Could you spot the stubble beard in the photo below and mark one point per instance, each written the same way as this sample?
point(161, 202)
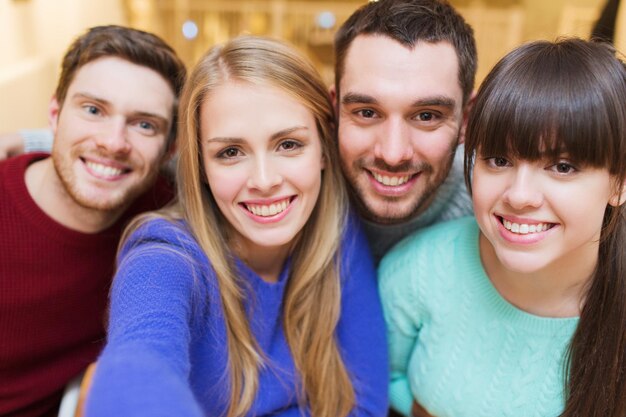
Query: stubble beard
point(385, 210)
point(118, 201)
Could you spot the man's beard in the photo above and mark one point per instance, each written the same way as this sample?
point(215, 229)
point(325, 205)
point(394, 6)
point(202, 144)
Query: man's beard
point(116, 200)
point(390, 213)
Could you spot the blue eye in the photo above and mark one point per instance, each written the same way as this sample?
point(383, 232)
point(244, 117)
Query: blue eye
point(146, 125)
point(92, 110)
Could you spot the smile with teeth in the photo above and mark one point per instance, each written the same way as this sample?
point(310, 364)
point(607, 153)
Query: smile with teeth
point(267, 210)
point(104, 170)
point(523, 228)
point(391, 180)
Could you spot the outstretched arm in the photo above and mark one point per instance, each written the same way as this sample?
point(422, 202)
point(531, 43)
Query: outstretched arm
point(144, 368)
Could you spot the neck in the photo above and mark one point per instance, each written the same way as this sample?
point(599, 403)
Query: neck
point(558, 290)
point(266, 262)
point(49, 193)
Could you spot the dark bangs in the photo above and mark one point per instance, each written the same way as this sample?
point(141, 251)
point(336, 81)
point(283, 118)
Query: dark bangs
point(547, 99)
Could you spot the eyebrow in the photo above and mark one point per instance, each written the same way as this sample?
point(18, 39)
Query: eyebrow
point(355, 98)
point(277, 135)
point(161, 118)
point(439, 101)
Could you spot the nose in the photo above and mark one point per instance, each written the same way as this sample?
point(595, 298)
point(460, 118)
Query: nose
point(113, 137)
point(264, 175)
point(524, 189)
point(394, 145)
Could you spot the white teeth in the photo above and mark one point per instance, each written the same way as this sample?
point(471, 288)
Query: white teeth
point(268, 210)
point(523, 228)
point(393, 181)
point(104, 170)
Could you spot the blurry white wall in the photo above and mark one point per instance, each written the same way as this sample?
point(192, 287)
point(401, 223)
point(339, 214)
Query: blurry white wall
point(34, 35)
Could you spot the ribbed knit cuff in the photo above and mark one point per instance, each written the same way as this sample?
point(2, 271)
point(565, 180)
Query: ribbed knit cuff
point(400, 396)
point(37, 140)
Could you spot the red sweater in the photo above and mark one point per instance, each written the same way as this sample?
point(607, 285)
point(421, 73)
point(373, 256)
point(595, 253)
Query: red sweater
point(54, 285)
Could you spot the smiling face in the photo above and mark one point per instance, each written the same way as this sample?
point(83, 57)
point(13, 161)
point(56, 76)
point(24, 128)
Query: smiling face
point(110, 133)
point(263, 162)
point(540, 215)
point(400, 115)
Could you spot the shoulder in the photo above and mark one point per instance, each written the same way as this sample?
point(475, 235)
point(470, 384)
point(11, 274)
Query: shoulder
point(354, 242)
point(355, 259)
point(429, 249)
point(420, 271)
point(435, 240)
point(13, 172)
point(162, 256)
point(17, 165)
point(160, 193)
point(160, 235)
point(353, 234)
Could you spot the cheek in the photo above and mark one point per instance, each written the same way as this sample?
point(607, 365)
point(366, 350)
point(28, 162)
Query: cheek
point(437, 148)
point(354, 141)
point(484, 194)
point(224, 184)
point(152, 151)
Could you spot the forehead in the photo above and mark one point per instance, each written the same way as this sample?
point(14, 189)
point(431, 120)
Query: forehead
point(382, 67)
point(126, 86)
point(244, 109)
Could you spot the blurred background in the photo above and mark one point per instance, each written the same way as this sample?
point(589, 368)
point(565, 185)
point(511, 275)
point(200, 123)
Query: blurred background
point(35, 33)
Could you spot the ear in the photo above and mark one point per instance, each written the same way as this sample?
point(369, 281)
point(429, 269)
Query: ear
point(619, 197)
point(170, 152)
point(54, 108)
point(333, 95)
point(466, 112)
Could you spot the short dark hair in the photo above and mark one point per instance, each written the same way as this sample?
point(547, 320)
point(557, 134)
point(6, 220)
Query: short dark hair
point(136, 46)
point(409, 22)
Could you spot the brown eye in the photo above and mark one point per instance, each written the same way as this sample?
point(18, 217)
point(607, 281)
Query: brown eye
point(500, 162)
point(425, 116)
point(564, 168)
point(367, 113)
point(289, 145)
point(229, 153)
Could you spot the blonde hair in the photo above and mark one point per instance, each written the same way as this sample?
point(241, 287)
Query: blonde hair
point(309, 324)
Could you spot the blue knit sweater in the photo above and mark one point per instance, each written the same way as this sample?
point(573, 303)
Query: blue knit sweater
point(456, 345)
point(166, 352)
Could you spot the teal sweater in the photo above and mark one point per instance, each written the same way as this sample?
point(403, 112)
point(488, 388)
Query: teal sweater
point(456, 345)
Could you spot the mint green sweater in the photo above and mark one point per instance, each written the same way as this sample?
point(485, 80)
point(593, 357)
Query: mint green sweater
point(456, 345)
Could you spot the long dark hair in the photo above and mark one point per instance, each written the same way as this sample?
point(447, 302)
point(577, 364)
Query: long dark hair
point(541, 100)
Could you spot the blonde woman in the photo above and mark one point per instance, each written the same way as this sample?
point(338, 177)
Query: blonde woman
point(254, 295)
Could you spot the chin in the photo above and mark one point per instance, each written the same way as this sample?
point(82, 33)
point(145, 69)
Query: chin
point(520, 264)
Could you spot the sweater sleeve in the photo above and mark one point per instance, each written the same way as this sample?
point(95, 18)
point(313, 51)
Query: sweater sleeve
point(144, 368)
point(403, 315)
point(361, 328)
